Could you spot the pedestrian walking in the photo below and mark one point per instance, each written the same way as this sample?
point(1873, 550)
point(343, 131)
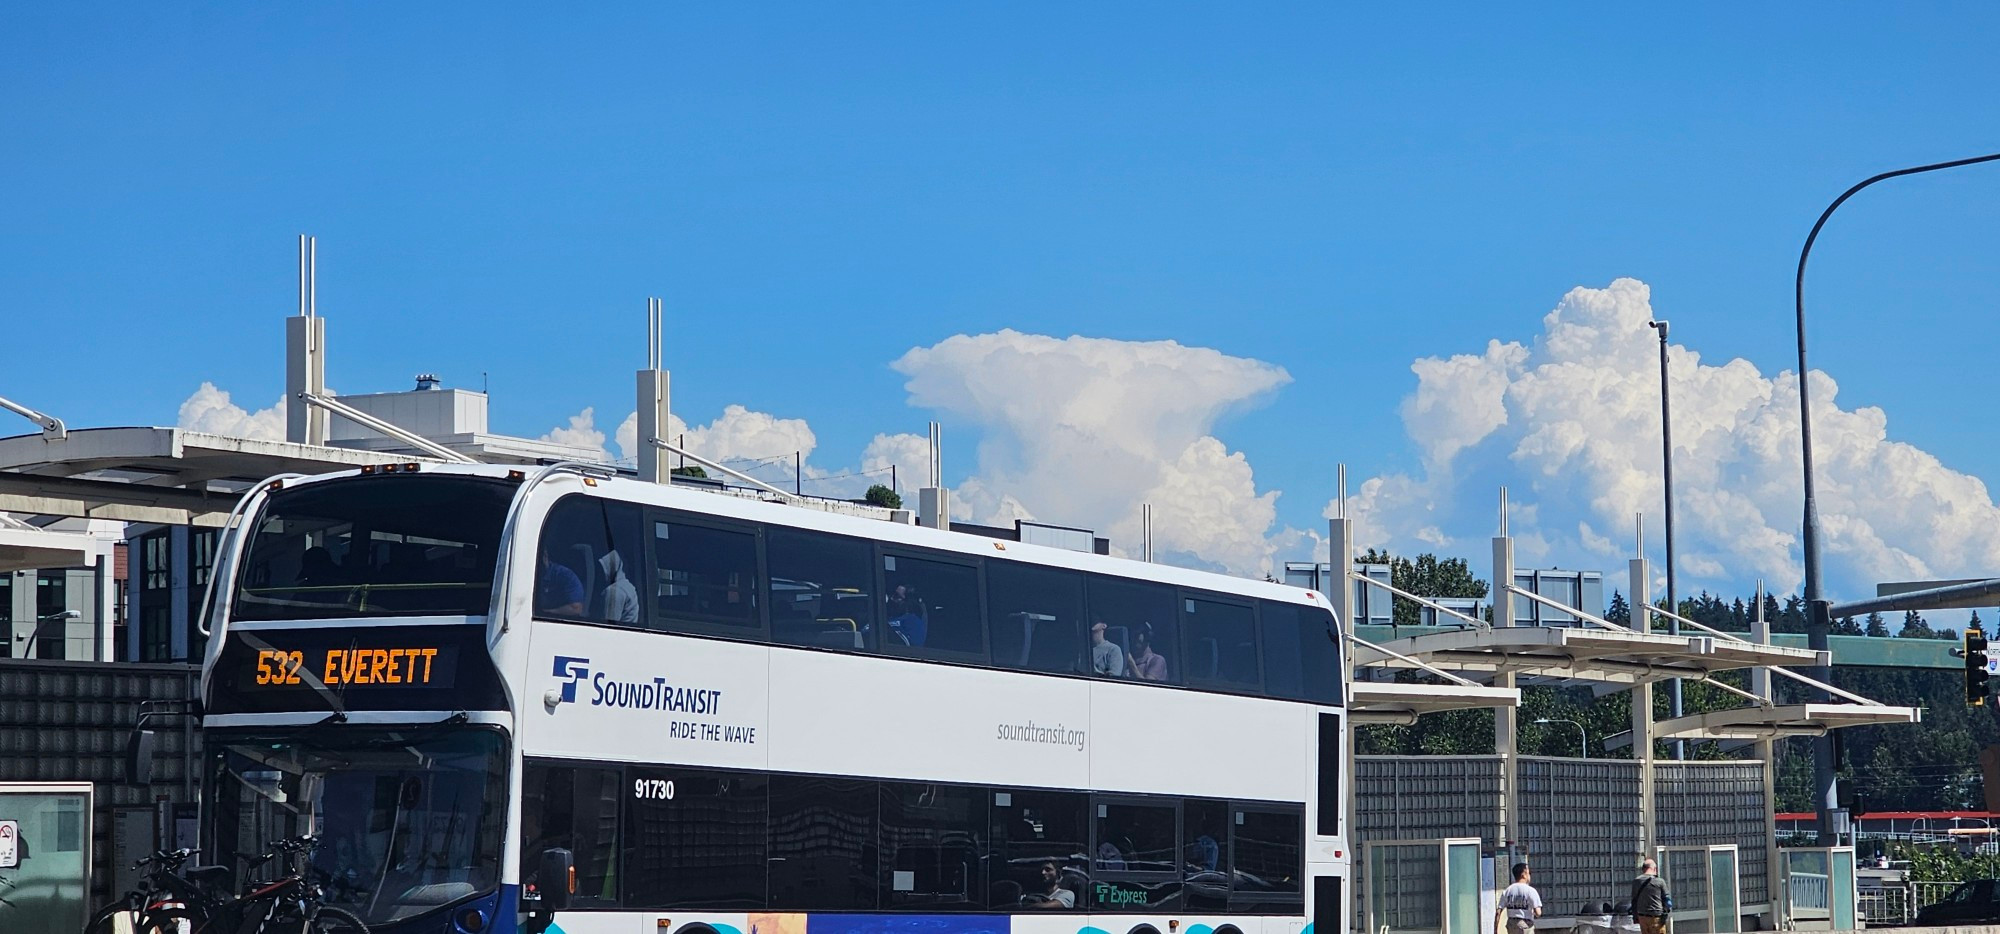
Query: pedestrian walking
point(1520, 905)
point(1650, 900)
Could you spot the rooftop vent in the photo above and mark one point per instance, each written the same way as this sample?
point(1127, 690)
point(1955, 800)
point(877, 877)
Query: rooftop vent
point(428, 381)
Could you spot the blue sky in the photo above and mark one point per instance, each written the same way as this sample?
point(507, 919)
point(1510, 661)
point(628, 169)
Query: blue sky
point(816, 191)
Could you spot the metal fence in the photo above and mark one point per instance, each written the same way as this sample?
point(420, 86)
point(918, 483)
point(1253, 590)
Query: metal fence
point(68, 721)
point(1579, 824)
point(1702, 803)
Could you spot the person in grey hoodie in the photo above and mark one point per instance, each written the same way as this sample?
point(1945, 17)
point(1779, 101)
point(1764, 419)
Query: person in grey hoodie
point(1649, 899)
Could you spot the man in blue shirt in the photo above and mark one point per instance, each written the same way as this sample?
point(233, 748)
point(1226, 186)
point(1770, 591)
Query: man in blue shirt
point(558, 591)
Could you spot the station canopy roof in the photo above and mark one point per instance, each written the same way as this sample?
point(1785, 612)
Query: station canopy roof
point(1611, 656)
point(169, 476)
point(1403, 702)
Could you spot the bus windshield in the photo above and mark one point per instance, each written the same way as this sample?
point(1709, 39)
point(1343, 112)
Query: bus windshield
point(374, 546)
point(410, 819)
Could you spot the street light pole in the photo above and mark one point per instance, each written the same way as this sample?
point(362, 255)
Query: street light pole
point(1582, 735)
point(1824, 787)
point(1667, 463)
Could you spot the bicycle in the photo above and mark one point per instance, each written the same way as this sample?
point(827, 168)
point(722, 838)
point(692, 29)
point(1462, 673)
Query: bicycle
point(170, 902)
point(165, 902)
point(293, 902)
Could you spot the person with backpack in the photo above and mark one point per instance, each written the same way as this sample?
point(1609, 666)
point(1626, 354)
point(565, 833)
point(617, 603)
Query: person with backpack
point(1650, 901)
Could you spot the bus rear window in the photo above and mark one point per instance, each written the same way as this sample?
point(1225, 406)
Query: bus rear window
point(375, 546)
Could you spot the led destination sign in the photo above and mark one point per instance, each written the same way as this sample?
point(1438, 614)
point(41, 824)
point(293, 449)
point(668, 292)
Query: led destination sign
point(408, 666)
point(328, 668)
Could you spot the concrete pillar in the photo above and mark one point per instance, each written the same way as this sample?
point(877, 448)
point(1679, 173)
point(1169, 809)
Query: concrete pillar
point(1506, 720)
point(104, 577)
point(1641, 588)
point(1339, 589)
point(1760, 685)
point(654, 397)
point(305, 371)
point(933, 500)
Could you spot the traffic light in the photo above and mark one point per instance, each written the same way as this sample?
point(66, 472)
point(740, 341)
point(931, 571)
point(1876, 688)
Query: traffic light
point(1975, 666)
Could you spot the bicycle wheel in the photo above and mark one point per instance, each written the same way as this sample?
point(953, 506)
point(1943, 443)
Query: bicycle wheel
point(124, 920)
point(335, 921)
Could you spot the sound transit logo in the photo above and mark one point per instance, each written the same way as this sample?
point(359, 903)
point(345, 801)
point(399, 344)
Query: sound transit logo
point(572, 670)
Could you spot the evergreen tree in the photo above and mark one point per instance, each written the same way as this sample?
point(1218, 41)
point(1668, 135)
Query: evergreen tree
point(1876, 627)
point(1845, 626)
point(1914, 627)
point(1619, 612)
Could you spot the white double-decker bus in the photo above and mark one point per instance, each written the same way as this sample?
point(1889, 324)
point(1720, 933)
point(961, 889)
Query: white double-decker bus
point(557, 699)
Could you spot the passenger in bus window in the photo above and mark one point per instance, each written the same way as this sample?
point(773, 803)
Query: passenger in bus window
point(558, 591)
point(1106, 658)
point(907, 615)
point(621, 599)
point(1053, 895)
point(1146, 664)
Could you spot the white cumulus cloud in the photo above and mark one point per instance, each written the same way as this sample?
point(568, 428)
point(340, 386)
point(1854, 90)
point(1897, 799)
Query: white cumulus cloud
point(1571, 421)
point(209, 410)
point(1080, 431)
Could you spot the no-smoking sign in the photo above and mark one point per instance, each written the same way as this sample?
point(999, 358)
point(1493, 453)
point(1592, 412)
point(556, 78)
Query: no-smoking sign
point(10, 844)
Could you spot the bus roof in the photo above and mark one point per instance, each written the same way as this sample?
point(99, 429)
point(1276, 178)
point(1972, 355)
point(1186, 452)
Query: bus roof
point(700, 500)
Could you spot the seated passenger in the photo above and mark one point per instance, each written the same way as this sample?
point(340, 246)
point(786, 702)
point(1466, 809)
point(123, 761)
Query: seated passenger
point(907, 615)
point(558, 591)
point(317, 568)
point(1052, 894)
point(1106, 658)
point(1144, 663)
point(621, 599)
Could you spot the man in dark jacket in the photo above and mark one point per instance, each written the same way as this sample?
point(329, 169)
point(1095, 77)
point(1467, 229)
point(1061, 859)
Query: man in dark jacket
point(1649, 899)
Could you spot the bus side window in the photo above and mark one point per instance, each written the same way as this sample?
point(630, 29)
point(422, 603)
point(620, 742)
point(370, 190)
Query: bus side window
point(1037, 619)
point(1301, 658)
point(589, 554)
point(1205, 854)
point(1269, 847)
point(931, 607)
point(577, 809)
point(822, 589)
point(1221, 644)
point(704, 576)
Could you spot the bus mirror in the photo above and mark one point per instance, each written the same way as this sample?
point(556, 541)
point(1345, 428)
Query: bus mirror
point(555, 879)
point(139, 757)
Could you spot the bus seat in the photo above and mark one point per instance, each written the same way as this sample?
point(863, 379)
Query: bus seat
point(584, 565)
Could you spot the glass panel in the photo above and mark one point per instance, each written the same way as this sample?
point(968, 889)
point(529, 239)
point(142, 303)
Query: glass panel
point(823, 846)
point(1205, 854)
point(1405, 889)
point(1137, 860)
point(1221, 644)
point(1270, 859)
point(1140, 619)
point(1462, 887)
point(822, 589)
point(574, 809)
point(1842, 892)
point(696, 839)
point(703, 575)
point(589, 552)
point(1037, 618)
point(410, 819)
point(1722, 889)
point(1301, 659)
point(375, 546)
point(931, 604)
point(933, 841)
point(1038, 850)
point(49, 890)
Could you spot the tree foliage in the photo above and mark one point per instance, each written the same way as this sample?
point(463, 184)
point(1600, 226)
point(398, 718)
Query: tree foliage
point(880, 495)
